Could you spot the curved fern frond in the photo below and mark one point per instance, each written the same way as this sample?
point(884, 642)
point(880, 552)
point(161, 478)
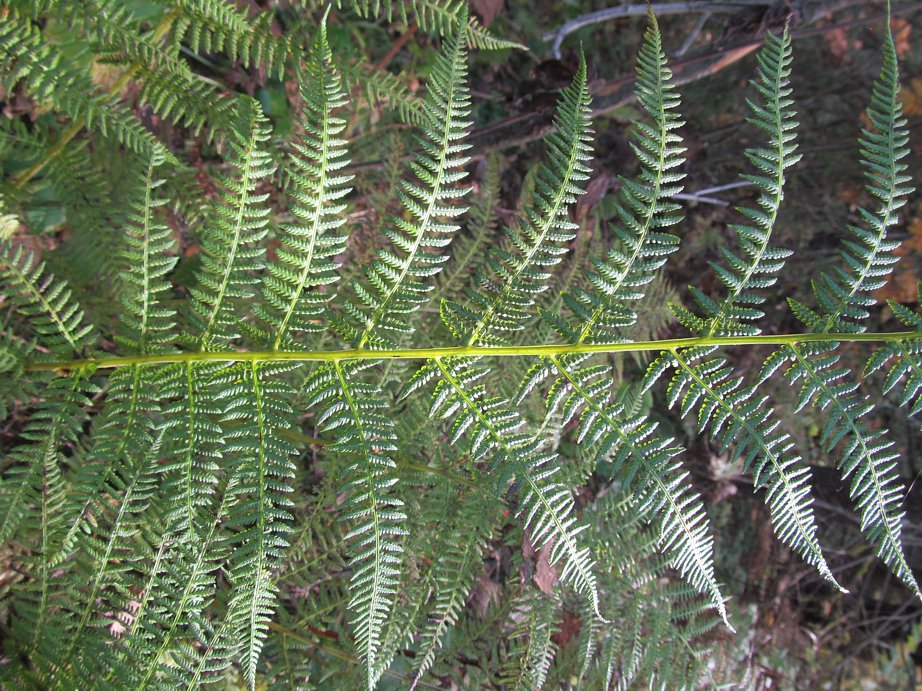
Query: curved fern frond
point(306, 256)
point(51, 76)
point(760, 262)
point(353, 409)
point(732, 410)
point(736, 414)
point(396, 278)
point(54, 316)
point(230, 244)
point(148, 258)
point(518, 271)
point(844, 298)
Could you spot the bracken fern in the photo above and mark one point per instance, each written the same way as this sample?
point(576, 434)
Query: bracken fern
point(174, 514)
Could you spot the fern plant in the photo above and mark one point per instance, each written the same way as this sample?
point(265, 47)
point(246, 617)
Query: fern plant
point(255, 472)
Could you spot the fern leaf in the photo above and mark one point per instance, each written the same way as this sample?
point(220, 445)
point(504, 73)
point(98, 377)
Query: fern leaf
point(582, 391)
point(905, 359)
point(531, 646)
point(519, 271)
point(53, 314)
point(118, 509)
point(222, 27)
point(546, 504)
point(396, 277)
point(647, 208)
point(844, 298)
point(147, 258)
point(48, 74)
point(187, 587)
point(353, 408)
point(193, 435)
point(737, 413)
point(260, 517)
point(236, 225)
point(634, 446)
point(306, 263)
point(56, 421)
point(453, 577)
point(731, 409)
point(756, 269)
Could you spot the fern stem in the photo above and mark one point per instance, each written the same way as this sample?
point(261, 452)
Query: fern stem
point(65, 366)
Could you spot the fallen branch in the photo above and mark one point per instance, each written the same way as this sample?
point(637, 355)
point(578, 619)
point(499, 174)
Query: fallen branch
point(659, 9)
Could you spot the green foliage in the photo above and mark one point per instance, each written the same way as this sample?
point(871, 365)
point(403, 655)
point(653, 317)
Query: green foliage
point(176, 519)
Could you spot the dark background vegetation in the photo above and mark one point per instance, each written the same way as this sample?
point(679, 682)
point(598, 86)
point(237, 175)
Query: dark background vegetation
point(801, 634)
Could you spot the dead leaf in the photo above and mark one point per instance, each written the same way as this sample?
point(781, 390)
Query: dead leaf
point(486, 10)
point(545, 574)
point(837, 44)
point(901, 29)
point(911, 96)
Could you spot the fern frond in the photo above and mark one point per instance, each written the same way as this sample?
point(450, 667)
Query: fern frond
point(379, 87)
point(231, 249)
point(440, 17)
point(396, 278)
point(866, 454)
point(635, 448)
point(147, 258)
point(56, 422)
point(306, 256)
point(470, 247)
point(583, 392)
point(51, 76)
point(756, 269)
point(601, 312)
point(732, 410)
point(452, 576)
point(353, 409)
point(220, 27)
point(164, 641)
point(54, 316)
point(735, 413)
point(844, 297)
point(257, 404)
point(518, 271)
point(121, 435)
point(494, 430)
point(531, 648)
point(105, 556)
point(193, 435)
point(166, 82)
point(905, 360)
